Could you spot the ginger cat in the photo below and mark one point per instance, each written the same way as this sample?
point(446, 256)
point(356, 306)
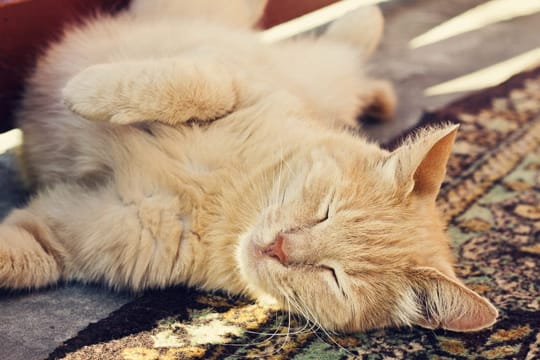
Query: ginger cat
point(169, 145)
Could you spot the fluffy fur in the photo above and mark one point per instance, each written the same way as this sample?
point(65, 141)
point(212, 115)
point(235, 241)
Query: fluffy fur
point(172, 147)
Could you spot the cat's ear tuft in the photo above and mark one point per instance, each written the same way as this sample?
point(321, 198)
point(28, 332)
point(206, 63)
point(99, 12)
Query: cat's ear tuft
point(444, 302)
point(419, 165)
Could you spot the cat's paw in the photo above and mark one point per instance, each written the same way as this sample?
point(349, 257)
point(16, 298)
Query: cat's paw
point(89, 95)
point(172, 91)
point(380, 105)
point(23, 262)
point(361, 28)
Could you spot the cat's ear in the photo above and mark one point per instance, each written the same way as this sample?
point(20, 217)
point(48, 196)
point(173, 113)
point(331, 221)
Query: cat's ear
point(419, 166)
point(440, 301)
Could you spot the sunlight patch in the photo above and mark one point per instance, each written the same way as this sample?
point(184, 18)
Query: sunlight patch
point(489, 76)
point(313, 19)
point(10, 139)
point(208, 329)
point(214, 332)
point(478, 17)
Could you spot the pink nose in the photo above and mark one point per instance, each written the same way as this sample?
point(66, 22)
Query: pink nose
point(275, 249)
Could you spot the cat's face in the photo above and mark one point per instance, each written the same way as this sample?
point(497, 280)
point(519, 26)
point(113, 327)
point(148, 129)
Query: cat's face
point(351, 246)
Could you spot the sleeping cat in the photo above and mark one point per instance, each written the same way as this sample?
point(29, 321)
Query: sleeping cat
point(170, 145)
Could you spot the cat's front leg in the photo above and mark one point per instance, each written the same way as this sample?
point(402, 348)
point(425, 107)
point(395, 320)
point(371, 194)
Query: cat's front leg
point(173, 91)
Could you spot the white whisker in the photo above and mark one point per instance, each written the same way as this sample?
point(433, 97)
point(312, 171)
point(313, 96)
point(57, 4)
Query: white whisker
point(320, 327)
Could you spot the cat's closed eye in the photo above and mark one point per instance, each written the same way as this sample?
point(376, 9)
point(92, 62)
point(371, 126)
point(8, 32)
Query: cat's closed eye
point(316, 220)
point(325, 217)
point(333, 273)
point(326, 214)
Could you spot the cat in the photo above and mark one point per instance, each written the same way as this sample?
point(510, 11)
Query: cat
point(170, 145)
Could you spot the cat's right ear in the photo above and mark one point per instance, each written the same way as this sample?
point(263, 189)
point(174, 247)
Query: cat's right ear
point(419, 166)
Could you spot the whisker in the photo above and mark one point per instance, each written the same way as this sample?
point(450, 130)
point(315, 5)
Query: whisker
point(324, 331)
point(288, 330)
point(271, 335)
point(309, 318)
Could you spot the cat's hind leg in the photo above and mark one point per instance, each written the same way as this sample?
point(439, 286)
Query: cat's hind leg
point(30, 255)
point(73, 232)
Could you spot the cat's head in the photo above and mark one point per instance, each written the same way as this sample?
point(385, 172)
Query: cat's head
point(352, 240)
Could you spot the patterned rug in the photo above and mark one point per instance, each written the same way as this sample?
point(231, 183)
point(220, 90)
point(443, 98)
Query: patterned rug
point(491, 199)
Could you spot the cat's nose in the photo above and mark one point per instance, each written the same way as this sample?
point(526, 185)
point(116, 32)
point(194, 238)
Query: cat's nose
point(275, 249)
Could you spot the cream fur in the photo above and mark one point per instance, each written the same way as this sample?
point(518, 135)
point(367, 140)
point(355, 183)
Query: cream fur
point(200, 156)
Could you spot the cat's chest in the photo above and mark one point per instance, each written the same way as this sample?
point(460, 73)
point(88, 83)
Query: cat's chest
point(207, 166)
point(229, 150)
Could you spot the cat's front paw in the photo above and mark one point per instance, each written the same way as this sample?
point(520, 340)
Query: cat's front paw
point(173, 91)
point(24, 263)
point(88, 95)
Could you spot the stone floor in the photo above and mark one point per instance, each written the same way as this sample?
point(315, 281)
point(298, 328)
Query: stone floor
point(32, 325)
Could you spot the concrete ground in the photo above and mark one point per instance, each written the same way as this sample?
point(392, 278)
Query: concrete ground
point(32, 325)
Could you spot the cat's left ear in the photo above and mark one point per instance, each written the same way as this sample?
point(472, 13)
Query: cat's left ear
point(419, 166)
point(435, 300)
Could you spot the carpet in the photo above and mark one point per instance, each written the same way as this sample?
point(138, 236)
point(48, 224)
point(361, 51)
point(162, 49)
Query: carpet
point(491, 200)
